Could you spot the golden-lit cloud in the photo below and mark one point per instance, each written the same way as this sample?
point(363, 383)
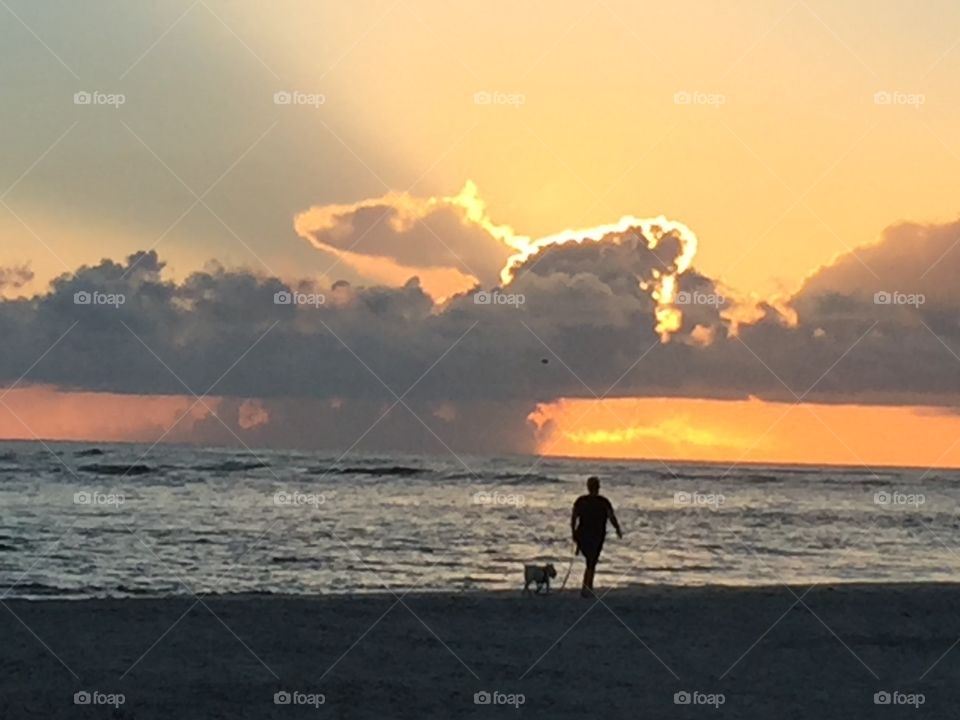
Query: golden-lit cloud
point(448, 243)
point(440, 240)
point(652, 231)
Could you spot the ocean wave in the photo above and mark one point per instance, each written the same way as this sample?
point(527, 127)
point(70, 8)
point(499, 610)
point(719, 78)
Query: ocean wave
point(458, 475)
point(665, 475)
point(378, 470)
point(129, 591)
point(232, 466)
point(726, 477)
point(107, 469)
point(759, 478)
point(523, 478)
point(227, 466)
point(782, 551)
point(679, 568)
point(35, 589)
point(879, 480)
point(774, 475)
point(89, 452)
point(505, 478)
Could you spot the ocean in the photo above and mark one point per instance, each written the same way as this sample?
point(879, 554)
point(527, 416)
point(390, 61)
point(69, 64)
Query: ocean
point(111, 520)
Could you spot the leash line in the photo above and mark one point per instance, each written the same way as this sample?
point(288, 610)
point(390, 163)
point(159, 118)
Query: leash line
point(569, 568)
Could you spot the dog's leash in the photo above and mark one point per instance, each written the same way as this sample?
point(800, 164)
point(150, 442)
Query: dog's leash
point(569, 568)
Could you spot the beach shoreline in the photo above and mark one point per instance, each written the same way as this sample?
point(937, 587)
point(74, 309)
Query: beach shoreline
point(822, 652)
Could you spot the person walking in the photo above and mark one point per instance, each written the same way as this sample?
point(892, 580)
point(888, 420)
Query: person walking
point(588, 523)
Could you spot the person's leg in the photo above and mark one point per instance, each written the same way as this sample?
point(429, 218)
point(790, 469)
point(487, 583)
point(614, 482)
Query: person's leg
point(592, 557)
point(588, 575)
point(591, 560)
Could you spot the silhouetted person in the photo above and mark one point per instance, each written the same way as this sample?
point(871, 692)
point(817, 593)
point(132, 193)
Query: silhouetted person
point(589, 525)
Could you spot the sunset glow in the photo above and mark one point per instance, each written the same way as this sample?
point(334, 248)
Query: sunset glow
point(475, 216)
point(750, 431)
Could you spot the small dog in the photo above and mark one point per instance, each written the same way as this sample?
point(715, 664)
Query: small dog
point(540, 575)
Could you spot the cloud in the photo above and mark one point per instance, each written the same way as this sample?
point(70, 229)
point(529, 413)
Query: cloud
point(372, 425)
point(448, 242)
point(617, 311)
point(14, 278)
point(252, 414)
point(451, 245)
point(898, 296)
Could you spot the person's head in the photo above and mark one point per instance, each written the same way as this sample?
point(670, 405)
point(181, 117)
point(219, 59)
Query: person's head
point(593, 485)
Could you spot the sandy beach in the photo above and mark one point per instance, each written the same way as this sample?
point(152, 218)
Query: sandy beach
point(755, 653)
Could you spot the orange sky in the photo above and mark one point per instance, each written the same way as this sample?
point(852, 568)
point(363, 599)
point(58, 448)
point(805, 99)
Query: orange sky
point(797, 164)
point(752, 431)
point(47, 414)
point(667, 429)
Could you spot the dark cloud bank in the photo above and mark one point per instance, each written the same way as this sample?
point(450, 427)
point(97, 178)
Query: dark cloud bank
point(468, 374)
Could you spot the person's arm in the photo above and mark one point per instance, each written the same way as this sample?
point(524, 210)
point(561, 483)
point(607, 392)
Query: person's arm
point(613, 521)
point(573, 522)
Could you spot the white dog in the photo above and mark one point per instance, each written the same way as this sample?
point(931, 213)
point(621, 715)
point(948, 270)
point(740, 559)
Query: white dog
point(539, 574)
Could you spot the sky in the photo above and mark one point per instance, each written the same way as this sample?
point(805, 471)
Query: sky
point(696, 202)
